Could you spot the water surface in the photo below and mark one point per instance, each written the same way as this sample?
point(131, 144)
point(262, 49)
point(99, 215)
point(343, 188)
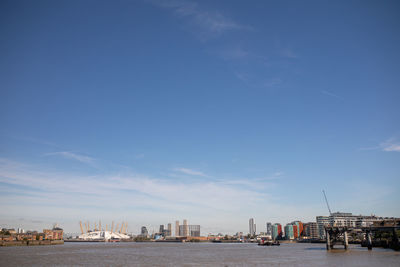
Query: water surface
point(194, 254)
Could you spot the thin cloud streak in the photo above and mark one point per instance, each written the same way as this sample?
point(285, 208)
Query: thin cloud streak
point(391, 145)
point(71, 155)
point(208, 23)
point(190, 172)
point(330, 94)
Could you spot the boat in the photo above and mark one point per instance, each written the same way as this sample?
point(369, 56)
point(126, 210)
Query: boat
point(269, 243)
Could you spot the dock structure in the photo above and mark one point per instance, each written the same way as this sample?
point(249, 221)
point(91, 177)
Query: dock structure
point(338, 235)
point(394, 240)
point(335, 236)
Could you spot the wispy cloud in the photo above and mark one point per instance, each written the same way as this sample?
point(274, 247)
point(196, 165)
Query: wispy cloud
point(74, 156)
point(207, 23)
point(329, 94)
point(288, 53)
point(258, 82)
point(234, 53)
point(190, 172)
point(390, 145)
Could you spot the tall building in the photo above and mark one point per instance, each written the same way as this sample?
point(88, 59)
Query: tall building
point(311, 230)
point(289, 231)
point(176, 228)
point(277, 231)
point(185, 228)
point(252, 227)
point(169, 229)
point(161, 229)
point(269, 229)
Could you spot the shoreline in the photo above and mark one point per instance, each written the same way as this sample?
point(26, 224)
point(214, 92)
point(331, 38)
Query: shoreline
point(30, 243)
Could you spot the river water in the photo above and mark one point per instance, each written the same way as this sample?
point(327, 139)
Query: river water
point(194, 254)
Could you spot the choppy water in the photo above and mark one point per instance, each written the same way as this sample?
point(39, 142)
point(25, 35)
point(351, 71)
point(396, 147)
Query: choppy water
point(193, 254)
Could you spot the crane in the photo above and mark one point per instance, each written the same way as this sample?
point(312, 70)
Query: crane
point(327, 204)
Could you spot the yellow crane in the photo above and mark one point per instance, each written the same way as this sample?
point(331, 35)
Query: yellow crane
point(80, 224)
point(126, 227)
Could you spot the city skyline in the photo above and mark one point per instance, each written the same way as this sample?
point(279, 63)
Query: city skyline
point(150, 111)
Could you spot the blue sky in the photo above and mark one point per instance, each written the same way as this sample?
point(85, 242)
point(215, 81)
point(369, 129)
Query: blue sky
point(155, 111)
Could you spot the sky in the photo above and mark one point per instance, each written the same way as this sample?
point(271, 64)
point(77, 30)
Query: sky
point(153, 111)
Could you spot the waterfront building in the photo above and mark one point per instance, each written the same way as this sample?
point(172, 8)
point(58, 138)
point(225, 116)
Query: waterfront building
point(344, 219)
point(277, 231)
point(353, 221)
point(185, 228)
point(194, 230)
point(289, 233)
point(299, 225)
point(269, 229)
point(295, 231)
point(252, 227)
point(189, 230)
point(161, 229)
point(53, 234)
point(322, 221)
point(144, 232)
point(311, 230)
point(176, 228)
point(169, 229)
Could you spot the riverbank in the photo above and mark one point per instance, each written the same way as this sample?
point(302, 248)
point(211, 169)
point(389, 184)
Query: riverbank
point(30, 243)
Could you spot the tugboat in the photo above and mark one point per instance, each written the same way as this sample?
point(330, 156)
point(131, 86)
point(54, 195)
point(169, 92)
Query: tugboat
point(269, 243)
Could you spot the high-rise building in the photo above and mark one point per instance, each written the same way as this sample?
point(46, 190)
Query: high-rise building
point(161, 229)
point(169, 229)
point(176, 228)
point(277, 231)
point(269, 229)
point(185, 228)
point(252, 227)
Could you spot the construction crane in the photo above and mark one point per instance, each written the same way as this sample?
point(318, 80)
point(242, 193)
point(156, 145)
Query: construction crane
point(327, 204)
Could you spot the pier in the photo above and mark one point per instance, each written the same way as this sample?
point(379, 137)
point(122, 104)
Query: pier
point(336, 235)
point(339, 236)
